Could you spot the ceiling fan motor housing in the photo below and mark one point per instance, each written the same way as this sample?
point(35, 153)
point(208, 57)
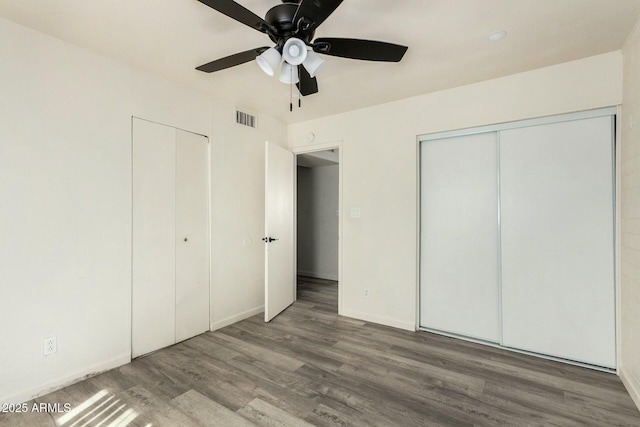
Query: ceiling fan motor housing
point(281, 18)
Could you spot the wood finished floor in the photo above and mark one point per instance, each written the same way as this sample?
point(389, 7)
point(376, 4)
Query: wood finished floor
point(311, 367)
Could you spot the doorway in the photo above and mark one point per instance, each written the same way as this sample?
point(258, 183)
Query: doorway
point(318, 228)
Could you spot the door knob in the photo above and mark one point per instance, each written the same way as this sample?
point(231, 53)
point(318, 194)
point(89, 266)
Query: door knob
point(268, 239)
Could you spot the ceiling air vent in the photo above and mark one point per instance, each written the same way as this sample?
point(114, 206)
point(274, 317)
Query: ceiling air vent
point(246, 119)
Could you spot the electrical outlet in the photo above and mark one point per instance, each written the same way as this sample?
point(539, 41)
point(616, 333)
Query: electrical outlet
point(50, 346)
point(366, 292)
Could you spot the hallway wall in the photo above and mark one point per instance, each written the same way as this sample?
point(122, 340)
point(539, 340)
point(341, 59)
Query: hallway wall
point(318, 222)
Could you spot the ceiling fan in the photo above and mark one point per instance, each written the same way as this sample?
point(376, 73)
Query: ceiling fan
point(291, 26)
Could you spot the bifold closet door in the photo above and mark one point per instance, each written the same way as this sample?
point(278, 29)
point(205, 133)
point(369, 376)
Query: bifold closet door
point(557, 240)
point(170, 260)
point(153, 256)
point(459, 290)
point(192, 245)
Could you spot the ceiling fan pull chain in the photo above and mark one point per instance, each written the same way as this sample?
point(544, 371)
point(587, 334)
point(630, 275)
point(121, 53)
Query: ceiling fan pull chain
point(291, 90)
point(299, 86)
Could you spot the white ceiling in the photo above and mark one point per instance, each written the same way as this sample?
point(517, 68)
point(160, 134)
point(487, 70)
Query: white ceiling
point(447, 42)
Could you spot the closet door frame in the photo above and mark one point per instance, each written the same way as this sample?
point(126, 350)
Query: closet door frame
point(612, 112)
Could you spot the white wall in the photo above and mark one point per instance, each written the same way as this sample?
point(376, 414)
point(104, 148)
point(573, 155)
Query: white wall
point(317, 221)
point(65, 222)
point(629, 363)
point(237, 214)
point(380, 168)
point(159, 100)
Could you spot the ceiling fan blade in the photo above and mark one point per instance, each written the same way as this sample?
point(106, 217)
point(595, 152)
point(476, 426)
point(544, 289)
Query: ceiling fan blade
point(315, 11)
point(307, 85)
point(367, 50)
point(232, 60)
point(235, 11)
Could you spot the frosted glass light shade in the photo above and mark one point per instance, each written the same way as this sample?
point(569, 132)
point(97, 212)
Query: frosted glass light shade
point(289, 74)
point(269, 61)
point(313, 63)
point(294, 51)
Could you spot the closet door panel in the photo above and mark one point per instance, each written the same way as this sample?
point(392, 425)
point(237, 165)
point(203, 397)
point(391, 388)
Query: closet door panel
point(192, 235)
point(459, 236)
point(153, 255)
point(557, 240)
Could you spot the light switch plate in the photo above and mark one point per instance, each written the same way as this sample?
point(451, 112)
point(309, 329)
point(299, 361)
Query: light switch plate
point(355, 212)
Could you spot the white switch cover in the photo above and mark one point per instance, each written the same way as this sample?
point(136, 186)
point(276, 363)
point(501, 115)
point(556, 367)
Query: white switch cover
point(355, 212)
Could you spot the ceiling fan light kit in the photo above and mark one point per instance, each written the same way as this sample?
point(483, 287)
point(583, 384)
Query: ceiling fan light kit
point(289, 74)
point(269, 60)
point(313, 63)
point(295, 51)
point(291, 26)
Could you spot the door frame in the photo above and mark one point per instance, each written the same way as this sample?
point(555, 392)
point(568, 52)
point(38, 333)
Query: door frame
point(334, 145)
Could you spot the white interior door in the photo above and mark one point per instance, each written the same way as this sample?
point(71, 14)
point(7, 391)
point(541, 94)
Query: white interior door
point(279, 287)
point(459, 290)
point(191, 239)
point(557, 240)
point(153, 257)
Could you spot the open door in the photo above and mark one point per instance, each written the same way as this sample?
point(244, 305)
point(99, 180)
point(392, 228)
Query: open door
point(279, 277)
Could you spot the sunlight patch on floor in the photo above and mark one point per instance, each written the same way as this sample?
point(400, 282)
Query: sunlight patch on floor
point(101, 409)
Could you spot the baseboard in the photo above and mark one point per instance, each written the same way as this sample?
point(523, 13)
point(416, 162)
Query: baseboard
point(236, 318)
point(633, 387)
point(316, 275)
point(407, 326)
point(66, 380)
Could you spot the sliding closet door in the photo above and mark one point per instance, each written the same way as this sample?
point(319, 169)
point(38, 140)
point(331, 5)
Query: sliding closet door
point(153, 258)
point(459, 290)
point(557, 240)
point(192, 244)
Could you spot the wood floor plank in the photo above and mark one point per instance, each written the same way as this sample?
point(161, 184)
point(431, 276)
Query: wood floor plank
point(148, 373)
point(373, 399)
point(252, 349)
point(207, 412)
point(235, 382)
point(155, 410)
point(324, 415)
point(288, 348)
point(265, 414)
point(216, 382)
